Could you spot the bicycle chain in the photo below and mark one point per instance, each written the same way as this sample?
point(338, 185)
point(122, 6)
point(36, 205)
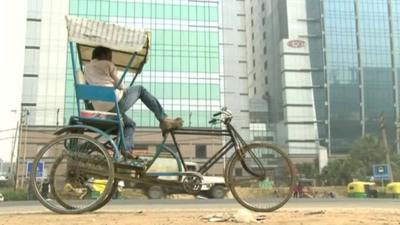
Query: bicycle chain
point(192, 183)
point(79, 163)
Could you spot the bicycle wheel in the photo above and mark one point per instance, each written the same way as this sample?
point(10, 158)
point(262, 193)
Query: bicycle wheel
point(80, 174)
point(66, 204)
point(260, 177)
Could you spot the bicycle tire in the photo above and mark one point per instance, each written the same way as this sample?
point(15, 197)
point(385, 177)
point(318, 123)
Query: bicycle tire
point(68, 206)
point(260, 177)
point(85, 167)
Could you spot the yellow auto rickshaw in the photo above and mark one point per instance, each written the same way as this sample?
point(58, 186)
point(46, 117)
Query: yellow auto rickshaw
point(393, 189)
point(361, 189)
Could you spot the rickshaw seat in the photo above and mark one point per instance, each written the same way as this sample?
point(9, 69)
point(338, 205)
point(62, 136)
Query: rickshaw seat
point(99, 119)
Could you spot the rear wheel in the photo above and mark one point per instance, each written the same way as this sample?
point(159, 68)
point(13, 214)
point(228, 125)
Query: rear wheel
point(155, 192)
point(81, 174)
point(260, 177)
point(217, 191)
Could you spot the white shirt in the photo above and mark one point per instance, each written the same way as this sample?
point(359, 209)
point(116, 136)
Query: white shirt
point(103, 73)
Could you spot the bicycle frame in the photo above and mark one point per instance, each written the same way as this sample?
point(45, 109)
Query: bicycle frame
point(235, 142)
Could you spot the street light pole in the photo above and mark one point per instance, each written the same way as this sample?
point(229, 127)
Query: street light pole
point(385, 144)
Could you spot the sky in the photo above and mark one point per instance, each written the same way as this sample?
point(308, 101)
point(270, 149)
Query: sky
point(12, 41)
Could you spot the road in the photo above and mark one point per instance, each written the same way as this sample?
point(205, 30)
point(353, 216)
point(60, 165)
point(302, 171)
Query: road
point(209, 205)
point(340, 211)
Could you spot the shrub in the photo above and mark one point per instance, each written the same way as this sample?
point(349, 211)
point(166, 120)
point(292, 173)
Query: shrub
point(12, 195)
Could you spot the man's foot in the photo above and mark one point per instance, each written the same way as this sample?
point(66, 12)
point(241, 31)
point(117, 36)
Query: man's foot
point(129, 155)
point(170, 124)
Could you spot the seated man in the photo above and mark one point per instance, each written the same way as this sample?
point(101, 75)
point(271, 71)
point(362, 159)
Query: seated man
point(101, 71)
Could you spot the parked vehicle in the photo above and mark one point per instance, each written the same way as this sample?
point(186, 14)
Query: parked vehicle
point(361, 189)
point(211, 186)
point(393, 189)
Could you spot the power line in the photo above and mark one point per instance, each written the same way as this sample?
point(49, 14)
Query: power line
point(6, 138)
point(5, 130)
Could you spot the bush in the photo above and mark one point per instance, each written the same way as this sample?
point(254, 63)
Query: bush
point(11, 195)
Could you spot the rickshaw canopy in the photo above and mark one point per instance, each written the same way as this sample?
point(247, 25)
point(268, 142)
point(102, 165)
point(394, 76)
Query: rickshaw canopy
point(123, 41)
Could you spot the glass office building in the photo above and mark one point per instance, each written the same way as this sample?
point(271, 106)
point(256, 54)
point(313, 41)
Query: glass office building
point(361, 45)
point(196, 64)
point(183, 69)
point(333, 74)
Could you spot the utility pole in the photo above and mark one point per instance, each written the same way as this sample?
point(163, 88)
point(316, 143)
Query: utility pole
point(58, 112)
point(385, 144)
point(18, 150)
point(22, 120)
point(25, 168)
point(11, 170)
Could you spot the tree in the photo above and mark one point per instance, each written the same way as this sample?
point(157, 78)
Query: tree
point(365, 152)
point(338, 172)
point(307, 170)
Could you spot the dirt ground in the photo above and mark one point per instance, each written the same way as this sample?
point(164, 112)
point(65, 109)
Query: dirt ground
point(191, 217)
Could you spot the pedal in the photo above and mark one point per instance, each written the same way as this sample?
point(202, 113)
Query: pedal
point(135, 164)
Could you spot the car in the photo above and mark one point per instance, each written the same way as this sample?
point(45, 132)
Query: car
point(212, 186)
point(3, 180)
point(1, 197)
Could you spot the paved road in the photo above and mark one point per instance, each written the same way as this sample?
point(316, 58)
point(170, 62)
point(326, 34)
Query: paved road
point(208, 204)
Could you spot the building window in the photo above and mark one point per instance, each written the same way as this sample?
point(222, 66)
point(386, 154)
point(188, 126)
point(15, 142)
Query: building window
point(266, 79)
point(201, 151)
point(264, 35)
point(263, 21)
point(238, 172)
point(265, 50)
point(265, 65)
point(252, 36)
point(255, 90)
point(253, 49)
point(251, 9)
point(263, 7)
point(252, 23)
point(254, 76)
point(254, 63)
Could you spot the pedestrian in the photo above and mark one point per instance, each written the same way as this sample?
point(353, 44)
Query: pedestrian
point(30, 190)
point(45, 188)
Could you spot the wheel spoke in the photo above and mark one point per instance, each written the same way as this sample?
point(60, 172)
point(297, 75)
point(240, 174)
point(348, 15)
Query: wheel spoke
point(81, 174)
point(245, 180)
point(260, 193)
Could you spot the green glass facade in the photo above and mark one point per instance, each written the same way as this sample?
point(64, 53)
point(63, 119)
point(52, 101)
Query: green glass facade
point(183, 70)
point(361, 43)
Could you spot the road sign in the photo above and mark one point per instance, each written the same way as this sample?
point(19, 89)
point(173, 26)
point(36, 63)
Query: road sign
point(381, 171)
point(39, 169)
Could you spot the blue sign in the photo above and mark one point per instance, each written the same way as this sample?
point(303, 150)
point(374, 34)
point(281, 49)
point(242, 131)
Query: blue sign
point(39, 169)
point(381, 171)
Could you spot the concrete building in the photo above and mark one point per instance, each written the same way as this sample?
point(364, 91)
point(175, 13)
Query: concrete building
point(281, 75)
point(324, 71)
point(197, 64)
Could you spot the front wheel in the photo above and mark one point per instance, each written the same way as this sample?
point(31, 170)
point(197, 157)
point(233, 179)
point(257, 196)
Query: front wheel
point(260, 177)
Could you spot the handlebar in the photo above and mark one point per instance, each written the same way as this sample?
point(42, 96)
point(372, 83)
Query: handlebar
point(225, 118)
point(217, 114)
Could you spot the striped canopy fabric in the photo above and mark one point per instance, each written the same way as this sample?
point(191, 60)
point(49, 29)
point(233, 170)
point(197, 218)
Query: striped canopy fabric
point(123, 41)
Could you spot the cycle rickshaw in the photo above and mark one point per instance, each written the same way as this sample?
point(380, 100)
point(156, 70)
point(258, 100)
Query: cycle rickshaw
point(259, 175)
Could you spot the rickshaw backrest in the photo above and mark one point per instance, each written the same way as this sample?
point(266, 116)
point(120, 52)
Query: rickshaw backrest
point(85, 91)
point(95, 93)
